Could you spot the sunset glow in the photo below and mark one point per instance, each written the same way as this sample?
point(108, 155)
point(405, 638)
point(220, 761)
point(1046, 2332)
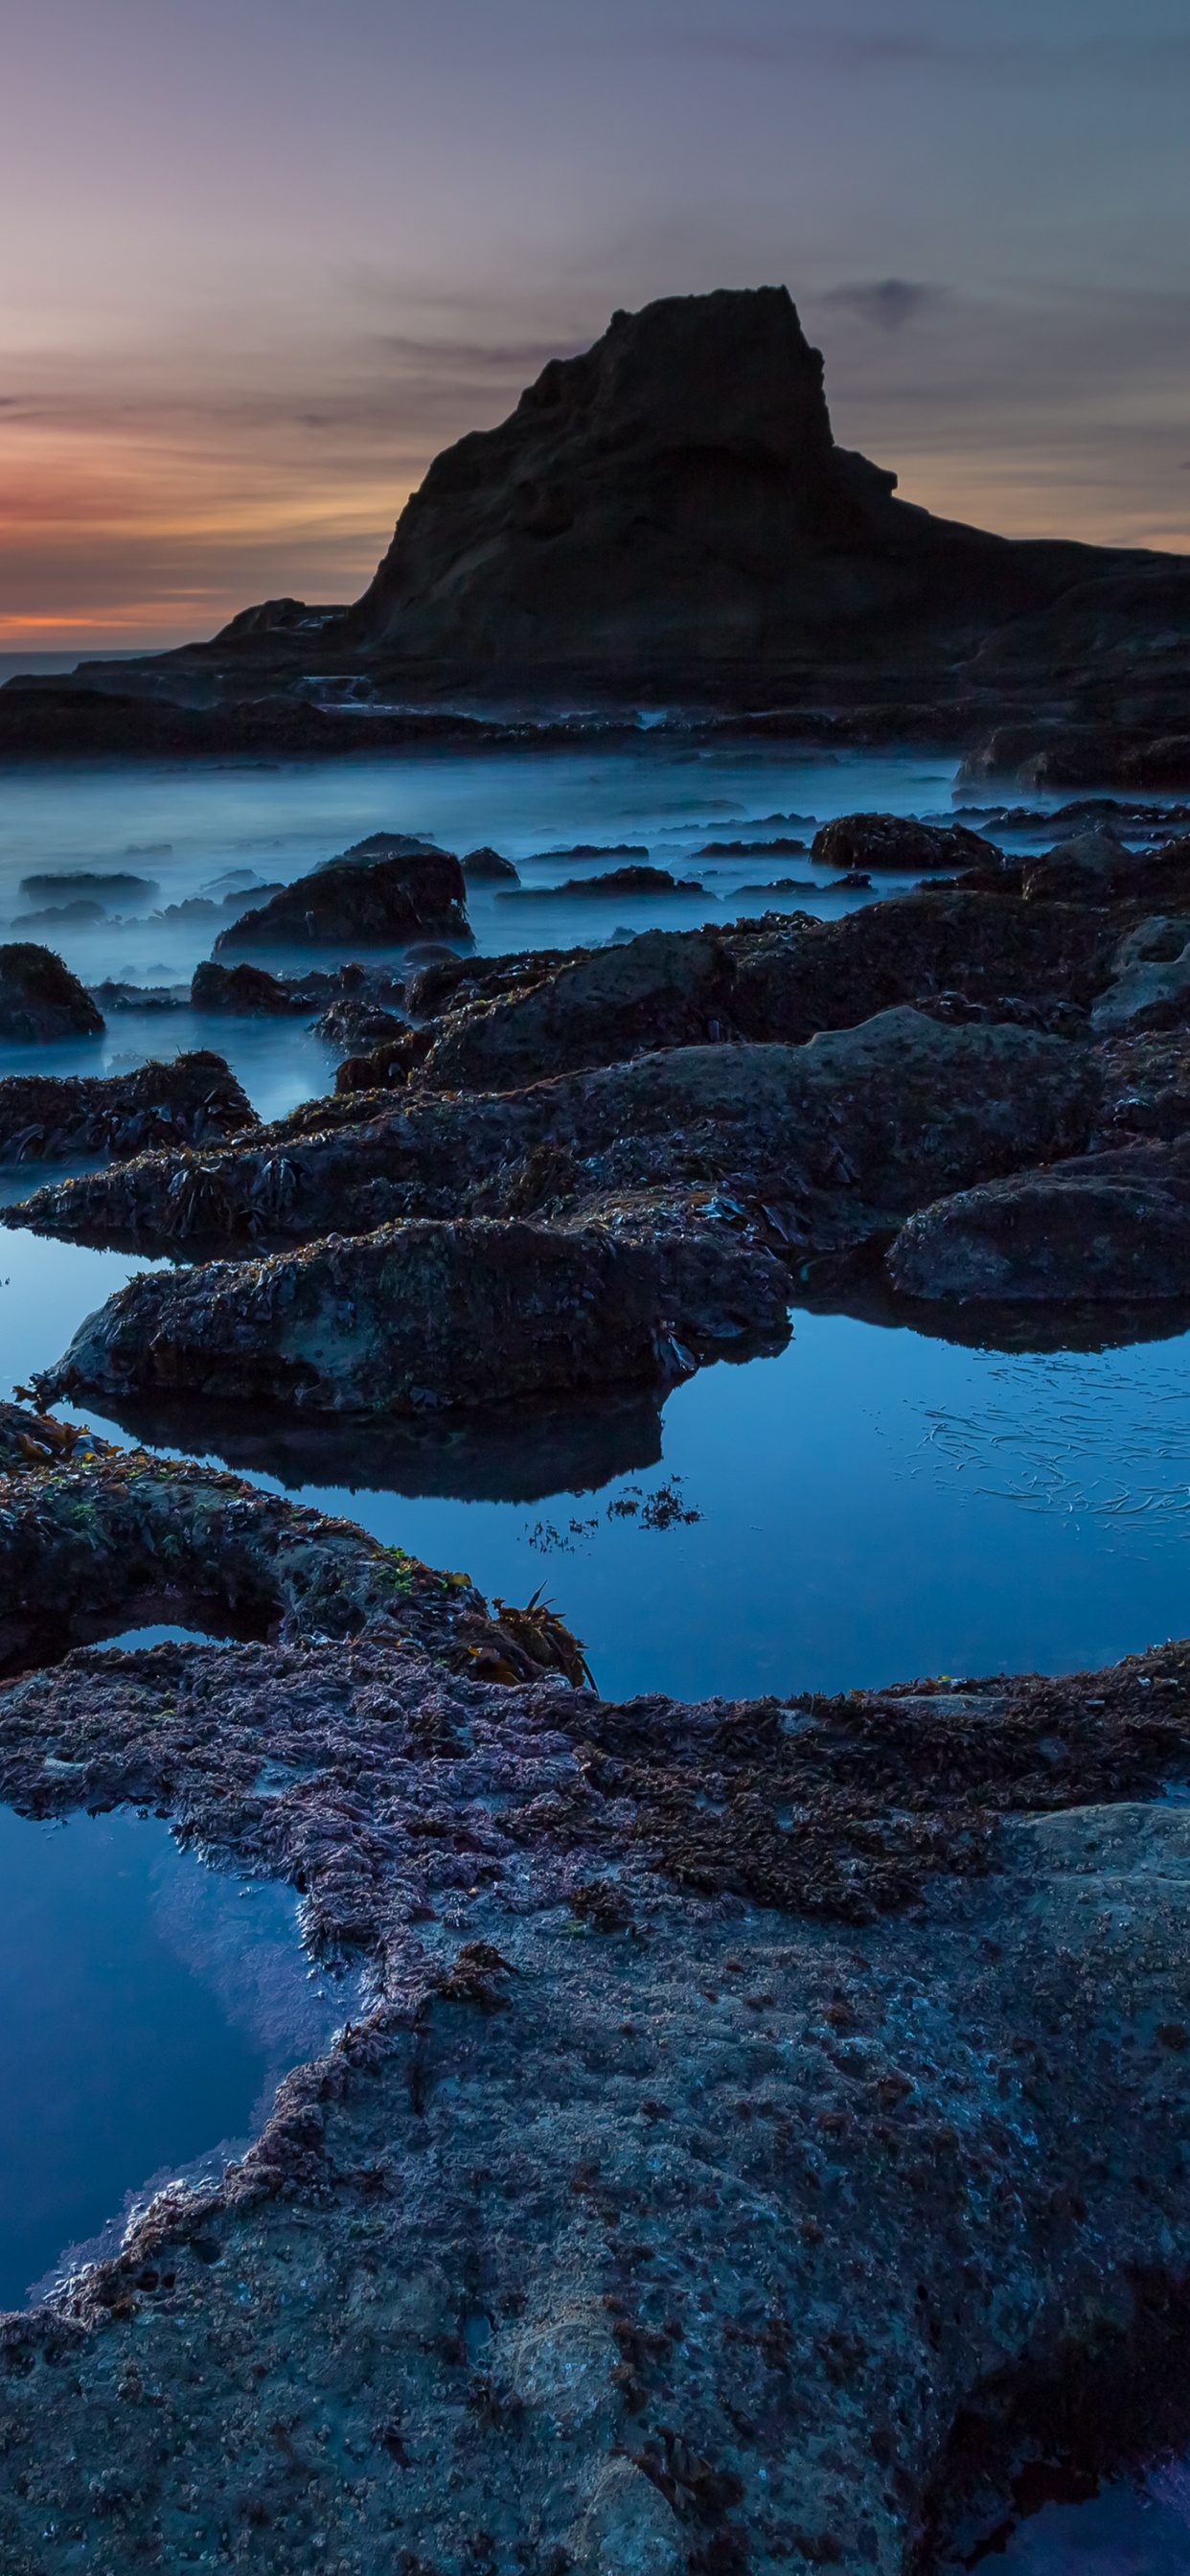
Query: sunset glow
point(261, 268)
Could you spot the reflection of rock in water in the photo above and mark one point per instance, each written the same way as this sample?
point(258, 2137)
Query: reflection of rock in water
point(857, 1284)
point(506, 1454)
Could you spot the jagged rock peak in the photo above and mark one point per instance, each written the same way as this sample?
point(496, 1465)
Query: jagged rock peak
point(695, 425)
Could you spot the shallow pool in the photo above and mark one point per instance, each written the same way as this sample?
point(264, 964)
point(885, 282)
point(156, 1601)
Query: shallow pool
point(148, 2009)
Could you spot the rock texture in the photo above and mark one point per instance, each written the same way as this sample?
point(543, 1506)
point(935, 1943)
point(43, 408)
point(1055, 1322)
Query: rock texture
point(95, 1539)
point(609, 1228)
point(40, 1000)
point(190, 1100)
point(1110, 1225)
point(365, 899)
point(756, 2093)
point(898, 841)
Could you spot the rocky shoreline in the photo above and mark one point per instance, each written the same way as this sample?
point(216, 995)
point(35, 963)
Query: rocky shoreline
point(767, 2111)
point(768, 2140)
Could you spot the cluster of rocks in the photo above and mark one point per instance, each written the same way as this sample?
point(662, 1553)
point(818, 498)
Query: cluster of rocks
point(564, 1171)
point(766, 2139)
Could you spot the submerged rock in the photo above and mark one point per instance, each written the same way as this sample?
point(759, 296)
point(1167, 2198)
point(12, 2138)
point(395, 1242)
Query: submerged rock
point(192, 1098)
point(40, 1000)
point(1110, 1225)
point(365, 898)
point(727, 2135)
point(618, 881)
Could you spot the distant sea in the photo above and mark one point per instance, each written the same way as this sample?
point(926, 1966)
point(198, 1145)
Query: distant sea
point(45, 664)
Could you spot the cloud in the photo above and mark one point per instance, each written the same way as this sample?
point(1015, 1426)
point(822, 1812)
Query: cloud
point(889, 302)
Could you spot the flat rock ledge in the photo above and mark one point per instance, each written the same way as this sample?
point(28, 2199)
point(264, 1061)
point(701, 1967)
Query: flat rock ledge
point(754, 2092)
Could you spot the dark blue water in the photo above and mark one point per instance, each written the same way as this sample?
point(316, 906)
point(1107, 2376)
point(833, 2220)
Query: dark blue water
point(148, 2008)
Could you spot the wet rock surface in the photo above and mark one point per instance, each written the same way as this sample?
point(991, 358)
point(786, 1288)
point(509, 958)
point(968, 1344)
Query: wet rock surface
point(366, 898)
point(1109, 1225)
point(497, 1023)
point(192, 1098)
point(751, 2088)
point(95, 1539)
point(40, 1000)
point(617, 1226)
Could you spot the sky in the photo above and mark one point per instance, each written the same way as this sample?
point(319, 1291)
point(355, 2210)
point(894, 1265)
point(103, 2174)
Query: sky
point(262, 258)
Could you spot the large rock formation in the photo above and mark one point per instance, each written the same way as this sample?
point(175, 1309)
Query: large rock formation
point(669, 515)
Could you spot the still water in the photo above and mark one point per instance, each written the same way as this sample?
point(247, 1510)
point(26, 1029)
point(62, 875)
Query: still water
point(876, 1501)
point(148, 2009)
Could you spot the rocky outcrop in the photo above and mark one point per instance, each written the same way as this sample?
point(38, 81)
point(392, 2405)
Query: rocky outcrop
point(46, 1118)
point(1101, 1226)
point(842, 1135)
point(1096, 866)
point(728, 2131)
point(486, 867)
point(40, 1000)
point(667, 520)
point(421, 1316)
point(898, 841)
point(363, 900)
point(507, 1021)
point(614, 1229)
point(675, 498)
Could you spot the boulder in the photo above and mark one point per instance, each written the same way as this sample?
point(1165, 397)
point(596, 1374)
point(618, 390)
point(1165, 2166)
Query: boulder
point(859, 841)
point(1101, 1226)
point(40, 1000)
point(382, 845)
point(245, 992)
point(429, 1316)
point(377, 901)
point(1095, 865)
point(486, 867)
point(358, 1022)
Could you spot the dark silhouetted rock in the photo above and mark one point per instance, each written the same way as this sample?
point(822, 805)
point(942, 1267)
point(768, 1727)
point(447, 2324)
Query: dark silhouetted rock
point(357, 1022)
point(370, 901)
point(674, 497)
point(862, 841)
point(1112, 1225)
point(246, 992)
point(1095, 866)
point(71, 885)
point(619, 881)
point(41, 1000)
point(382, 845)
point(486, 867)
